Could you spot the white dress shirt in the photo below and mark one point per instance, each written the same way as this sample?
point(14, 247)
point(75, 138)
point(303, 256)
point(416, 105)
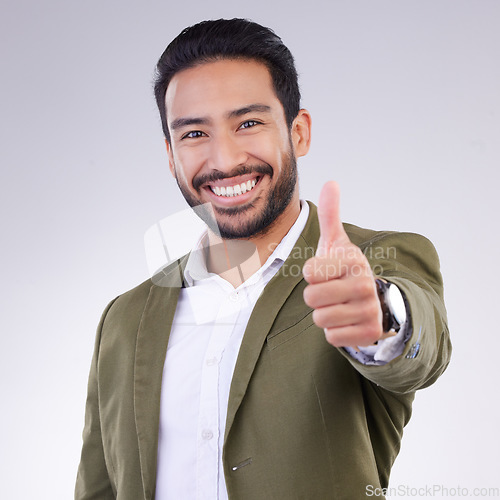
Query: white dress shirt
point(207, 330)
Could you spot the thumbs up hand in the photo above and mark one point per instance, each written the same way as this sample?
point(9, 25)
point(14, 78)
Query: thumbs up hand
point(342, 287)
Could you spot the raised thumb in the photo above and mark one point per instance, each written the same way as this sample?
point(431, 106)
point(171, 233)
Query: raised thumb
point(332, 232)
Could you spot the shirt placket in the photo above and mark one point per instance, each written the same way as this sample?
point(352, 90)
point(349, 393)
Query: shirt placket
point(209, 416)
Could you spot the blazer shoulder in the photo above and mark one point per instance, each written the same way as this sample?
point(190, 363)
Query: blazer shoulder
point(129, 305)
point(363, 237)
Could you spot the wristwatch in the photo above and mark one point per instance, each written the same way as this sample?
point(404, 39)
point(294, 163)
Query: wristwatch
point(392, 304)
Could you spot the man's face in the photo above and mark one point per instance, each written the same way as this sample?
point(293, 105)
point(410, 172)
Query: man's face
point(230, 145)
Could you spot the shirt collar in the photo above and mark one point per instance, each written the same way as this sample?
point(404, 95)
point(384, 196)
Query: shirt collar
point(196, 268)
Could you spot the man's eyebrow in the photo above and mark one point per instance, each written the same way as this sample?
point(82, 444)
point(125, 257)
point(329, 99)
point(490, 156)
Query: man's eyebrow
point(186, 122)
point(251, 108)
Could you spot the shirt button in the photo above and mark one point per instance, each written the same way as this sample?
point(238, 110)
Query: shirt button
point(211, 361)
point(207, 434)
point(234, 297)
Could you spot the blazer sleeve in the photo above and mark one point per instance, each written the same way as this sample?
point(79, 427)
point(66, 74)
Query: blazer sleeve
point(93, 481)
point(411, 262)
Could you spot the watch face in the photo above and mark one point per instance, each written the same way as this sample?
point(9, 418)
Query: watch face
point(396, 303)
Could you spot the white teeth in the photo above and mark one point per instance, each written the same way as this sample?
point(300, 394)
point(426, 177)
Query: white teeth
point(235, 190)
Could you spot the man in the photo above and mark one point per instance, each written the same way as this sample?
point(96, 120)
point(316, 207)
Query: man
point(282, 371)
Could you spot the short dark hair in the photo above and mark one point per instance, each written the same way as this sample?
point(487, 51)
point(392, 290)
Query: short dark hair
point(210, 41)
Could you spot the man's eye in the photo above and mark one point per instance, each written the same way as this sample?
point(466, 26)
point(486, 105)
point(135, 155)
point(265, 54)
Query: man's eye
point(194, 134)
point(249, 123)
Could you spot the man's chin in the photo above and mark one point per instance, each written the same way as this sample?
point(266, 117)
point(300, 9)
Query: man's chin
point(230, 232)
point(238, 226)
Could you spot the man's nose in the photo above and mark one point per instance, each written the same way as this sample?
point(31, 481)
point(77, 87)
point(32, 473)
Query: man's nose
point(227, 153)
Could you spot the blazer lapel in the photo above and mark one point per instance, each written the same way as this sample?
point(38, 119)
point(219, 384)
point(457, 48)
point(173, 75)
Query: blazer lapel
point(266, 309)
point(151, 348)
point(154, 331)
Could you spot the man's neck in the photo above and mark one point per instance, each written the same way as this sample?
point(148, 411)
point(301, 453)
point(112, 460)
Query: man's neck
point(237, 260)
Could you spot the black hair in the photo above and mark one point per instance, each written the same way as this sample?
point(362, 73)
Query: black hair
point(210, 41)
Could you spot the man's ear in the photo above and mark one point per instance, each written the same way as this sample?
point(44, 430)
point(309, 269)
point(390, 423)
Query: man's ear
point(301, 133)
point(170, 157)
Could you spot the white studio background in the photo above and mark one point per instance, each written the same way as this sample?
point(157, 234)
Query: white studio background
point(405, 101)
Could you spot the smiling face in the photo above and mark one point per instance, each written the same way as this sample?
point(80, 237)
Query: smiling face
point(230, 146)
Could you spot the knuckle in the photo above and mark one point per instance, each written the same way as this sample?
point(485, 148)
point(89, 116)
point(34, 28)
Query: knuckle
point(308, 270)
point(320, 318)
point(332, 338)
point(309, 296)
point(363, 287)
point(372, 332)
point(315, 270)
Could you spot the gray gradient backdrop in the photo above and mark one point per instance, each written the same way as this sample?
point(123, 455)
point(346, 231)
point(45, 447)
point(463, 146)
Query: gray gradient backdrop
point(405, 103)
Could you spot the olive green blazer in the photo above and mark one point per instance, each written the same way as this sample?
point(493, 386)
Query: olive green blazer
point(304, 420)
